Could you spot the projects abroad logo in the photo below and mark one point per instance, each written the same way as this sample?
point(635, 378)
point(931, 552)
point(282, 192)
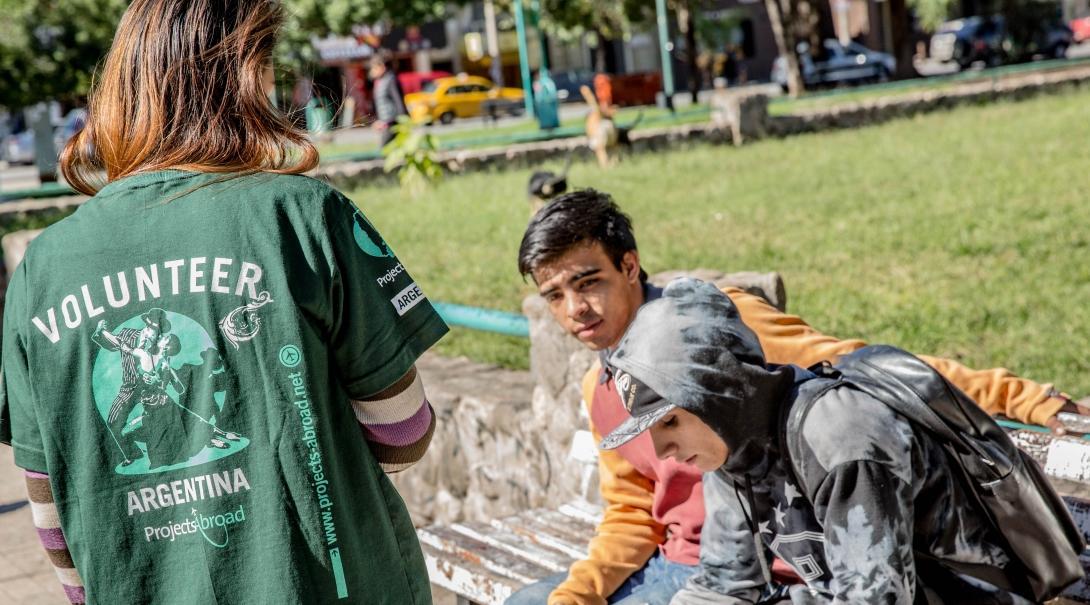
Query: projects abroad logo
point(214, 528)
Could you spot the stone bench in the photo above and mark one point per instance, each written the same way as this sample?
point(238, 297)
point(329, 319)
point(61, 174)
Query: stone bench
point(485, 562)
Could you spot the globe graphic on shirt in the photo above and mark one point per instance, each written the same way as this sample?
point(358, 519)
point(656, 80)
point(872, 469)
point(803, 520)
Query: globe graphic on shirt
point(368, 238)
point(159, 384)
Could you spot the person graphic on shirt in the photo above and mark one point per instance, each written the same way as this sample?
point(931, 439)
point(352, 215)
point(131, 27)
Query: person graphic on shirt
point(138, 371)
point(581, 253)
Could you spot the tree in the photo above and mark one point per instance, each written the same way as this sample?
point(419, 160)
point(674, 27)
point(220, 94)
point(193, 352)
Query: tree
point(49, 49)
point(570, 19)
point(782, 16)
point(931, 13)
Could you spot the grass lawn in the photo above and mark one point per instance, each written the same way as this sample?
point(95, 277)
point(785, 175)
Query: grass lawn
point(963, 234)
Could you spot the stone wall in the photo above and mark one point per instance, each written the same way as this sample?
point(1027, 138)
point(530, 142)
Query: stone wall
point(883, 109)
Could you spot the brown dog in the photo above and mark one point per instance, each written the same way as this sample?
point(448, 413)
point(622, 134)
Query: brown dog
point(602, 133)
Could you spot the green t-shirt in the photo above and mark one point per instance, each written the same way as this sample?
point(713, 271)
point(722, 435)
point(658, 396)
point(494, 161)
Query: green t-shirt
point(179, 356)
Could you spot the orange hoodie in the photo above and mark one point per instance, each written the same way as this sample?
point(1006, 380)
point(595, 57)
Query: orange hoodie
point(651, 504)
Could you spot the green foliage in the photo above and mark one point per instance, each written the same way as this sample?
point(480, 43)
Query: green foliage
point(412, 153)
point(931, 233)
point(320, 17)
point(49, 48)
point(572, 18)
point(932, 13)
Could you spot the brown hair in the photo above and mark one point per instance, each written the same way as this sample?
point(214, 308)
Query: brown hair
point(182, 88)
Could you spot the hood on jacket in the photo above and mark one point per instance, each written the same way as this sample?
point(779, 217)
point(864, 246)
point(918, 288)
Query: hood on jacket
point(691, 349)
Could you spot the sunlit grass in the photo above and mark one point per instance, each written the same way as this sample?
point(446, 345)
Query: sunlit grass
point(963, 233)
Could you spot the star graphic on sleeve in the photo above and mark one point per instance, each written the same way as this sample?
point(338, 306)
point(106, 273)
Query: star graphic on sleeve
point(780, 514)
point(790, 492)
point(762, 527)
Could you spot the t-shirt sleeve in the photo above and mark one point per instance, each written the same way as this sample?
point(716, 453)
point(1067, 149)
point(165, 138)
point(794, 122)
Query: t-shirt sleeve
point(382, 321)
point(18, 420)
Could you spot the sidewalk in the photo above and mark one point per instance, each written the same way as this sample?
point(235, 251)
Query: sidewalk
point(26, 577)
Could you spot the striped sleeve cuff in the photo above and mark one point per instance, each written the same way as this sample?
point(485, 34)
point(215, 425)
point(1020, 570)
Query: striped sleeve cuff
point(397, 423)
point(47, 522)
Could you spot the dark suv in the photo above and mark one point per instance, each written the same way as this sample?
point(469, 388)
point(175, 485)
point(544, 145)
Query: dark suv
point(989, 40)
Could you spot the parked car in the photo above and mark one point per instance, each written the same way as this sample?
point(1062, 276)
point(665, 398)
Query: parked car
point(568, 83)
point(458, 97)
point(19, 148)
point(1080, 30)
point(987, 39)
point(837, 63)
point(414, 81)
point(73, 123)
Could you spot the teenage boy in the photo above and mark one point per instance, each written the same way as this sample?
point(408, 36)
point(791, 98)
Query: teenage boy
point(864, 506)
point(581, 253)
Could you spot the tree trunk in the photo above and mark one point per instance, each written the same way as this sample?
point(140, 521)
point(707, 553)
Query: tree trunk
point(785, 44)
point(687, 22)
point(904, 47)
point(600, 52)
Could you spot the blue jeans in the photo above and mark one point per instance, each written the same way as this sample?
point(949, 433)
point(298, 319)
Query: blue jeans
point(654, 584)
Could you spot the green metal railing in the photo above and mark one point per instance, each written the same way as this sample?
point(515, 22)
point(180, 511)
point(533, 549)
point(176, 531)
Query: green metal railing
point(45, 191)
point(487, 320)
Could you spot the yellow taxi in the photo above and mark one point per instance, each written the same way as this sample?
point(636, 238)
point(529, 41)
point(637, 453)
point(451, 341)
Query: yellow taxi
point(461, 96)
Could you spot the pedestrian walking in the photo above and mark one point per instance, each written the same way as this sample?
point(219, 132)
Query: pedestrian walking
point(389, 102)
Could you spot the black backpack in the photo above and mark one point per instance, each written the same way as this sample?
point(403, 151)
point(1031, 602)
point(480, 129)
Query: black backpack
point(1009, 488)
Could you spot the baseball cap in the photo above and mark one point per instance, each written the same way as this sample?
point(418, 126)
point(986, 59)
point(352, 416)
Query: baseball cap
point(644, 405)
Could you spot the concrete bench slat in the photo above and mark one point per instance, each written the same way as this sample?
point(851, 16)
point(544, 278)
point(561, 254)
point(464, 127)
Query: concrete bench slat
point(1065, 460)
point(551, 559)
point(583, 511)
point(491, 558)
point(577, 528)
point(540, 532)
point(466, 578)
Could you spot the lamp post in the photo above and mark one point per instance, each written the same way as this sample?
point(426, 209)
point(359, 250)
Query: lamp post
point(665, 46)
point(524, 59)
point(535, 9)
point(493, 41)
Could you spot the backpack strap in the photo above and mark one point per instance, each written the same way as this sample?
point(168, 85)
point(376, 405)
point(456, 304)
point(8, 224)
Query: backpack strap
point(900, 395)
point(793, 416)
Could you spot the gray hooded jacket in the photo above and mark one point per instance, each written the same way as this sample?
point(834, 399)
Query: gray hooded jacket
point(874, 507)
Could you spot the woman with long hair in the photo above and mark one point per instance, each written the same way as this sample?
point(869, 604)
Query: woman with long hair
point(266, 481)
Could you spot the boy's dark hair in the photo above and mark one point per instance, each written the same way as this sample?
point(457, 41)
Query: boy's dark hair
point(579, 217)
